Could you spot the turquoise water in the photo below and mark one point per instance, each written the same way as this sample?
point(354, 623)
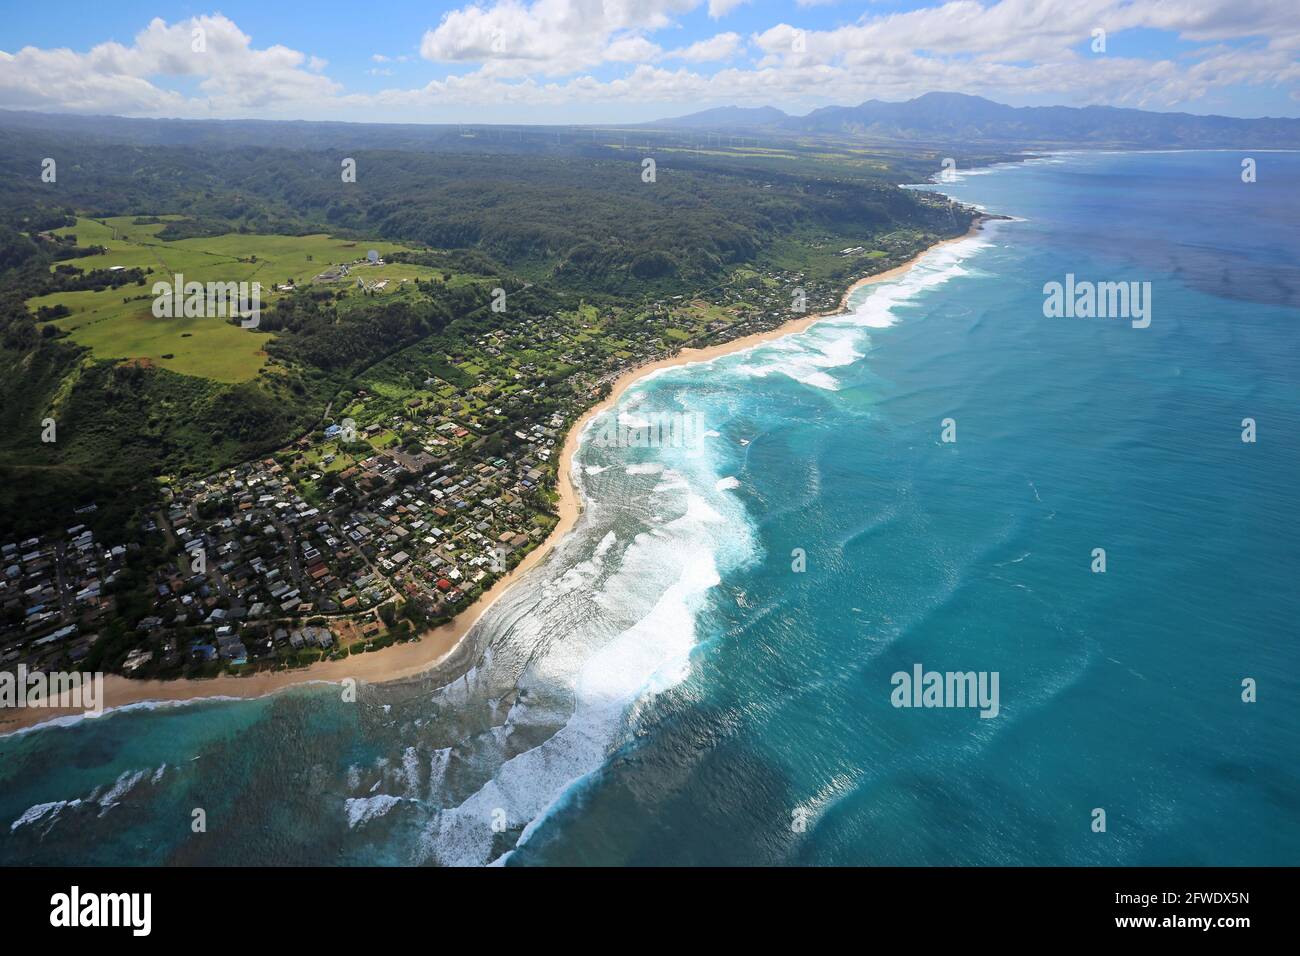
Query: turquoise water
point(668, 689)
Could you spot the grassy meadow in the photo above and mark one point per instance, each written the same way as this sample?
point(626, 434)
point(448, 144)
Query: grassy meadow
point(119, 323)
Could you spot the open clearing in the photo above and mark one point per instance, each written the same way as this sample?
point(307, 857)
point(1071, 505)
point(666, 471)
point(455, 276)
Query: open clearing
point(119, 323)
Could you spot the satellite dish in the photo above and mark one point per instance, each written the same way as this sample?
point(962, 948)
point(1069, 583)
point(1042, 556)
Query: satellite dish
point(373, 256)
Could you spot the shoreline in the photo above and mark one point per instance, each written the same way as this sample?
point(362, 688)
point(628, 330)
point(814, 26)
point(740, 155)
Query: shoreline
point(400, 661)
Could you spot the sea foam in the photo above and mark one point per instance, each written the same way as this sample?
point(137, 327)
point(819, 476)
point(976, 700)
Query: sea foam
point(591, 640)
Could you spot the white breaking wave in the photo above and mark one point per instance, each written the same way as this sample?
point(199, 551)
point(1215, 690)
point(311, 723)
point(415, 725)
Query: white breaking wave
point(411, 771)
point(363, 809)
point(71, 720)
point(40, 812)
point(808, 356)
point(49, 812)
point(610, 623)
point(648, 657)
point(630, 421)
point(934, 268)
point(804, 357)
point(438, 769)
point(120, 788)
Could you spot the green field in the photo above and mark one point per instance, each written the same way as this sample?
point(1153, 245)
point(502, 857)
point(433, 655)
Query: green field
point(208, 347)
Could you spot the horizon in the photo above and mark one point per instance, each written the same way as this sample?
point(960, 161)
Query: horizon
point(565, 63)
point(617, 124)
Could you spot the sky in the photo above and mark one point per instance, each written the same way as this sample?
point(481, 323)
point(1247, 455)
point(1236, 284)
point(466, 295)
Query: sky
point(624, 61)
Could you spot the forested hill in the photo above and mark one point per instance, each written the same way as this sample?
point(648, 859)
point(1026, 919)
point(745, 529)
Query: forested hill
point(591, 223)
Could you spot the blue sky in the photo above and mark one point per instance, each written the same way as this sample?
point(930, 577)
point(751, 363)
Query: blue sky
point(633, 60)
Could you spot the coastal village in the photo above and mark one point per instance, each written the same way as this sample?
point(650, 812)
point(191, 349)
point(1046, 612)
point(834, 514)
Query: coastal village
point(388, 518)
point(267, 567)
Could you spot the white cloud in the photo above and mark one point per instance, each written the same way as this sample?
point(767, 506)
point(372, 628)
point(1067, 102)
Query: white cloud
point(633, 49)
point(720, 8)
point(716, 49)
point(543, 52)
point(233, 76)
point(548, 37)
point(966, 45)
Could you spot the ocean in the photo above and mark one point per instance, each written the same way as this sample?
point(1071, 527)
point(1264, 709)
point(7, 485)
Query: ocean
point(708, 670)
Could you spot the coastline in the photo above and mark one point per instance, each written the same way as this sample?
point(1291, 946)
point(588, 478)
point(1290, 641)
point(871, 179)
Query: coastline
point(435, 645)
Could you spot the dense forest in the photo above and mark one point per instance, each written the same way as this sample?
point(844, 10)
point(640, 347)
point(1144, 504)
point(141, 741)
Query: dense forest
point(584, 223)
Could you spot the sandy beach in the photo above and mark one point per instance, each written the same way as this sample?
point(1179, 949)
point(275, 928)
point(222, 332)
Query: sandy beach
point(436, 645)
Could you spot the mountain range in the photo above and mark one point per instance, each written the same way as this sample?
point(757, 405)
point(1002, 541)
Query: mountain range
point(956, 117)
